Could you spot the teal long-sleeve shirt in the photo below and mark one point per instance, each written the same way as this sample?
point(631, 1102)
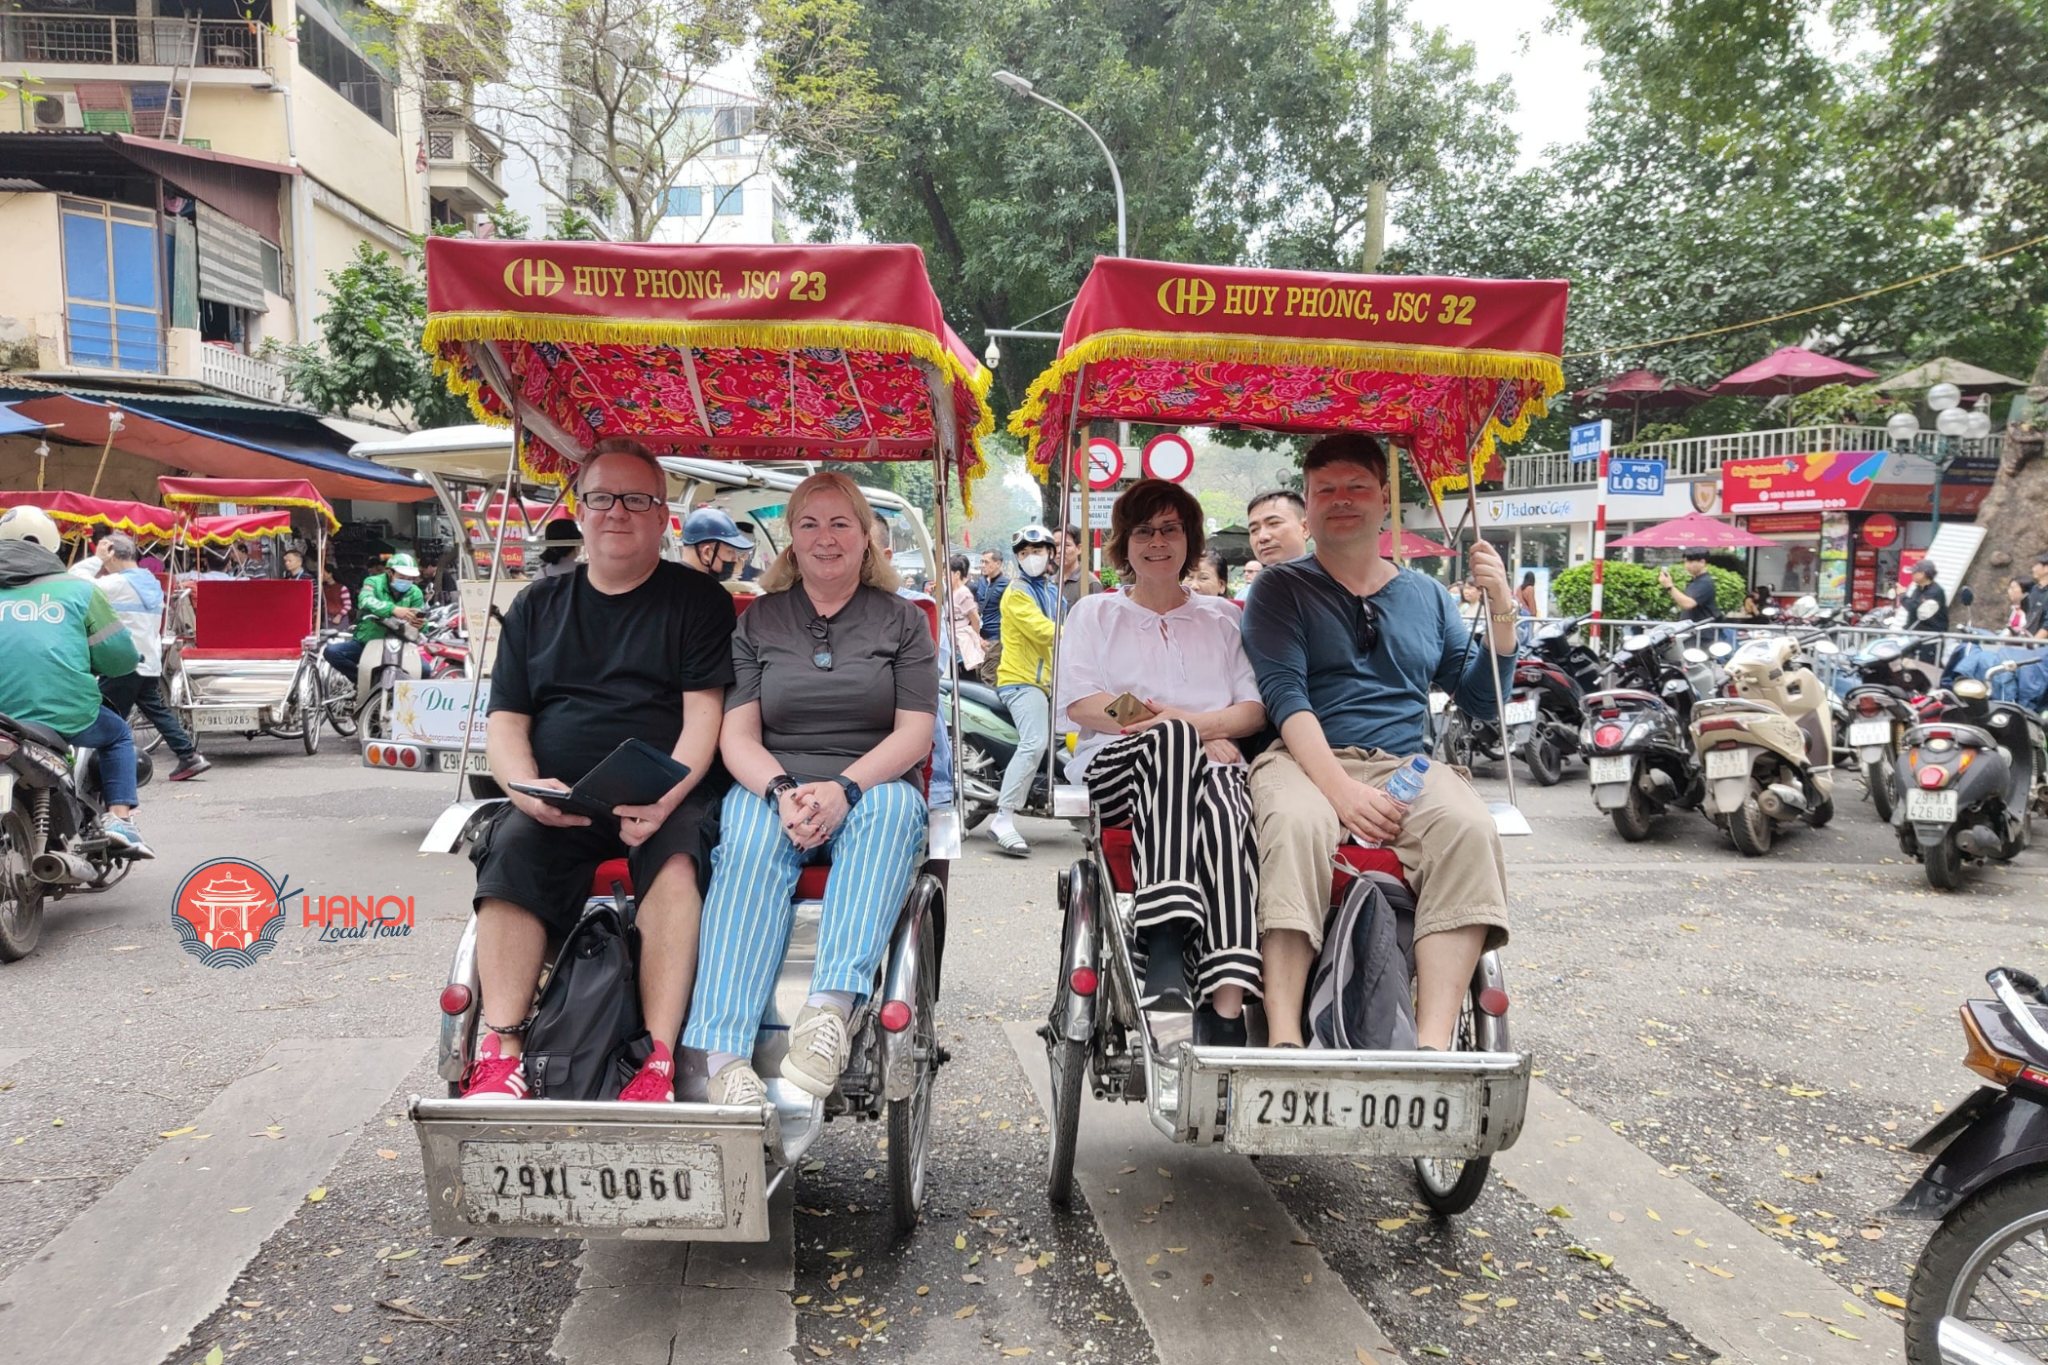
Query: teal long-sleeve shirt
point(1300, 627)
point(56, 633)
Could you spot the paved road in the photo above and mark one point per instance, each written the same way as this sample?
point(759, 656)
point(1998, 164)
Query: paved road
point(1732, 1054)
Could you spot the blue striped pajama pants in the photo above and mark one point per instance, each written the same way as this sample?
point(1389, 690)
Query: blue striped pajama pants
point(749, 912)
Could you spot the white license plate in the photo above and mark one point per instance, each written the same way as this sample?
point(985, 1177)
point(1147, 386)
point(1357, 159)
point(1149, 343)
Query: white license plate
point(594, 1184)
point(1601, 771)
point(1362, 1116)
point(1933, 808)
point(1862, 732)
point(241, 718)
point(478, 762)
point(1728, 763)
point(1521, 713)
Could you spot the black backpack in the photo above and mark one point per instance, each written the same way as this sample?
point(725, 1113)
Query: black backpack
point(587, 1038)
point(1361, 995)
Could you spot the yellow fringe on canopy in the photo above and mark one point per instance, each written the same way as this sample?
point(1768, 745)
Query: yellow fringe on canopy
point(886, 338)
point(211, 538)
point(70, 524)
point(326, 512)
point(1238, 348)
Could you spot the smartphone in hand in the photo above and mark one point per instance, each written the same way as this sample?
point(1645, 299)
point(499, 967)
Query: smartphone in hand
point(1126, 709)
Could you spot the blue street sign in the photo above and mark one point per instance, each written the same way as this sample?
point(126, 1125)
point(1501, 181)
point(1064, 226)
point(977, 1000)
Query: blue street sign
point(1589, 440)
point(1640, 477)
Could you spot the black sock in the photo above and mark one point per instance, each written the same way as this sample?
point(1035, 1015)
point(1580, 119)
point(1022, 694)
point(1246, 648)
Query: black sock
point(1165, 953)
point(1218, 1031)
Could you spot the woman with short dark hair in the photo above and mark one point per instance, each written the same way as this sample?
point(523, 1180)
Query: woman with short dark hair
point(1171, 769)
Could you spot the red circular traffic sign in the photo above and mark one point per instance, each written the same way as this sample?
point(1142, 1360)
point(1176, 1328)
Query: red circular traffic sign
point(1169, 456)
point(1105, 463)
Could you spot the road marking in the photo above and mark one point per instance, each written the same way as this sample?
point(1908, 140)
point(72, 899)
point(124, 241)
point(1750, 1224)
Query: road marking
point(685, 1303)
point(162, 1241)
point(10, 1055)
point(1269, 1292)
point(1568, 1157)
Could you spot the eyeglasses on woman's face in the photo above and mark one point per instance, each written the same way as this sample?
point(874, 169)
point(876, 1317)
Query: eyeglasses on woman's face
point(1157, 530)
point(633, 502)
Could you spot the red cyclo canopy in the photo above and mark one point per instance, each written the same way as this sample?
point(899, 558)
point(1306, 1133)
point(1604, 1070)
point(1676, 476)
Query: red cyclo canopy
point(253, 526)
point(1446, 366)
point(80, 511)
point(728, 352)
point(249, 493)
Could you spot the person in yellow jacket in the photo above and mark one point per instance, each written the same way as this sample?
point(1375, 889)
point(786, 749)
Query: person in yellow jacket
point(1024, 677)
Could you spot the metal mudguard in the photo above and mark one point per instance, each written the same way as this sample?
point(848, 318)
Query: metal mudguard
point(1989, 1136)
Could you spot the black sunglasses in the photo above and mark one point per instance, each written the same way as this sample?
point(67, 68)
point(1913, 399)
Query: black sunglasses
point(821, 644)
point(1365, 633)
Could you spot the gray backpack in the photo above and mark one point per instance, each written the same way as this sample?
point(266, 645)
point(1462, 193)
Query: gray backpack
point(1361, 995)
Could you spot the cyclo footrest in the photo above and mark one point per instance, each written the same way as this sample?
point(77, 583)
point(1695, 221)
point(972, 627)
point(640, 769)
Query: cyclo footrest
point(556, 1168)
point(1316, 1102)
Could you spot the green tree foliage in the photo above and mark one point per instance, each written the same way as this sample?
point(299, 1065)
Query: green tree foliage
point(1631, 592)
point(369, 350)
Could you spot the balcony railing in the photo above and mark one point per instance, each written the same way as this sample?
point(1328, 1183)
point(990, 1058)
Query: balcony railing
point(451, 137)
point(248, 375)
point(118, 40)
point(1702, 456)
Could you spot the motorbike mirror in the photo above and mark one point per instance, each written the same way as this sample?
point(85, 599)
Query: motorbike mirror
point(1826, 647)
point(1964, 597)
point(1633, 642)
point(1720, 649)
point(1695, 655)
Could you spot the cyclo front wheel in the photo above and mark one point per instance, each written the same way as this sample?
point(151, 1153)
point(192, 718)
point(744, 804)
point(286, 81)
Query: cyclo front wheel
point(1451, 1185)
point(910, 1119)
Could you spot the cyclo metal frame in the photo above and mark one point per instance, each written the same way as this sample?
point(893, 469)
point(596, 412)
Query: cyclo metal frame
point(1201, 1094)
point(538, 1168)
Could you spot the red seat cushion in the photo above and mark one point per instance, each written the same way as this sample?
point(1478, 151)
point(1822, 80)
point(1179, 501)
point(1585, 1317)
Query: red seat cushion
point(810, 884)
point(197, 655)
point(1116, 851)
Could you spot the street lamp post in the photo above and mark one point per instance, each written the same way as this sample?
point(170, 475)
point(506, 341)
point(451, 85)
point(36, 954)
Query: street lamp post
point(1952, 422)
point(1023, 89)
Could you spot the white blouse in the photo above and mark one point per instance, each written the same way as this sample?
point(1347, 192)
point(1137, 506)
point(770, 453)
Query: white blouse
point(1191, 658)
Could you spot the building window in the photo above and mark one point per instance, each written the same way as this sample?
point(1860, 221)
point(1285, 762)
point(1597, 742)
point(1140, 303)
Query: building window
point(329, 56)
point(684, 202)
point(729, 125)
point(730, 201)
point(111, 303)
point(273, 268)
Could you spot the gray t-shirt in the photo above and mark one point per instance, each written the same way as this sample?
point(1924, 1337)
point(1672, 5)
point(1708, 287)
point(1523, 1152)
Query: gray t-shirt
point(817, 721)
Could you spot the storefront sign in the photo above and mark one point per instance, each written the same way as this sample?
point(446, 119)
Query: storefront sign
point(1880, 530)
point(1834, 559)
point(1784, 523)
point(1831, 481)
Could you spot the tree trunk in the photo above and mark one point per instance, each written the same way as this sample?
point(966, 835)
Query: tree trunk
point(2015, 512)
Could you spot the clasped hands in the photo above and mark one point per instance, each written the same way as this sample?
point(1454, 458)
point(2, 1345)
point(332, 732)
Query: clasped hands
point(812, 812)
point(1218, 750)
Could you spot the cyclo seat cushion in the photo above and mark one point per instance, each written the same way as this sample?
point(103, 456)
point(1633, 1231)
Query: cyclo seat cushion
point(810, 883)
point(1116, 851)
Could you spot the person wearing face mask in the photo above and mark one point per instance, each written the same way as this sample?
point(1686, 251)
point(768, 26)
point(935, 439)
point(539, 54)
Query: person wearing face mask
point(712, 543)
point(1024, 677)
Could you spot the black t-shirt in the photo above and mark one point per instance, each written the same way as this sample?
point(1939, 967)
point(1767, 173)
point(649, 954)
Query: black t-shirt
point(595, 669)
point(1701, 591)
point(2036, 606)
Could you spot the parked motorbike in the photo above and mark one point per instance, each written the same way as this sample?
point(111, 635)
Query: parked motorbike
point(1881, 687)
point(1556, 671)
point(1639, 758)
point(1766, 752)
point(50, 839)
point(988, 739)
point(397, 655)
point(1969, 783)
point(1977, 1284)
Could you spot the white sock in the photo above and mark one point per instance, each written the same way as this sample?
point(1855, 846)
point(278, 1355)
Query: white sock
point(1001, 824)
point(715, 1062)
point(836, 1000)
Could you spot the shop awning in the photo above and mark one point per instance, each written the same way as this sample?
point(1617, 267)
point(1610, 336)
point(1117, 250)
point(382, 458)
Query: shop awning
point(219, 455)
point(90, 163)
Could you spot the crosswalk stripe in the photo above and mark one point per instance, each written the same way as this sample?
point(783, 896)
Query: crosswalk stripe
point(152, 1257)
point(1271, 1297)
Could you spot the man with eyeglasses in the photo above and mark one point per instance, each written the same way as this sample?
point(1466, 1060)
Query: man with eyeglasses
point(628, 646)
point(1346, 647)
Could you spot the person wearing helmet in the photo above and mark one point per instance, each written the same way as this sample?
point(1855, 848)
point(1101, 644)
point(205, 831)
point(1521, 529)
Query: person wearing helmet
point(1024, 678)
point(57, 631)
point(713, 543)
point(393, 595)
point(563, 541)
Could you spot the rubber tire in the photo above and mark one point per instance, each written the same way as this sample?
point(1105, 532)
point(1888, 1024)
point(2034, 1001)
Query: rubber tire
point(1447, 1201)
point(309, 711)
point(976, 761)
point(484, 788)
point(1880, 780)
point(1818, 817)
point(1751, 829)
point(1975, 1220)
point(1635, 820)
point(21, 904)
point(341, 711)
point(1545, 760)
point(1944, 864)
point(910, 1120)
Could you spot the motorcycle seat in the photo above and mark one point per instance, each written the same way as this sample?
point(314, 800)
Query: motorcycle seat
point(40, 733)
point(2002, 1033)
point(982, 695)
point(1116, 851)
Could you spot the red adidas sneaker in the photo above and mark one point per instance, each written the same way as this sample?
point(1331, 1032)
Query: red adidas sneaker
point(491, 1076)
point(656, 1081)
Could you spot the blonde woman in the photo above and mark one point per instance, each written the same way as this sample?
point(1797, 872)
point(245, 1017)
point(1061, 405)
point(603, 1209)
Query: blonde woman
point(827, 723)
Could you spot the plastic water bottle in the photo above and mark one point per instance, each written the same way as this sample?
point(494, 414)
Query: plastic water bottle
point(1404, 786)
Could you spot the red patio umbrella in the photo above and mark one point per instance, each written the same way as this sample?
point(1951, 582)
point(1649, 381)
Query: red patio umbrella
point(1413, 546)
point(1789, 370)
point(1694, 528)
point(1639, 389)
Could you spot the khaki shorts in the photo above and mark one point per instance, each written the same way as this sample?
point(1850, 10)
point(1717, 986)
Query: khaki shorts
point(1447, 847)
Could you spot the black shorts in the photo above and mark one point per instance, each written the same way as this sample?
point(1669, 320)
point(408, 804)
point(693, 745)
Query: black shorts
point(546, 871)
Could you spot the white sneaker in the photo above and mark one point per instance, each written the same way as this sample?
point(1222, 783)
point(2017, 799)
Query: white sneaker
point(737, 1084)
point(818, 1046)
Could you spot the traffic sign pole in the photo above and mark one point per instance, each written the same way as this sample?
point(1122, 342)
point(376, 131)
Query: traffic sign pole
point(1600, 530)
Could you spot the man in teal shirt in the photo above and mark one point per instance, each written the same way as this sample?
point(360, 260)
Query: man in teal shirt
point(393, 595)
point(57, 632)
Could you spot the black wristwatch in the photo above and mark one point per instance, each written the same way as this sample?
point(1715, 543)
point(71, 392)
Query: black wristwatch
point(782, 783)
point(851, 788)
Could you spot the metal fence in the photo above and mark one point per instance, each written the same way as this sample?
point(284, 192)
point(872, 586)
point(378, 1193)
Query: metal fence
point(1702, 456)
point(112, 39)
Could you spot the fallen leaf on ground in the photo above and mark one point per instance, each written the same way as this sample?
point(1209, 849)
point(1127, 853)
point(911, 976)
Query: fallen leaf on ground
point(1391, 1224)
point(343, 1307)
point(387, 1154)
point(1559, 1211)
point(1102, 1267)
point(1843, 1332)
point(316, 1194)
point(969, 1311)
point(1888, 1299)
point(460, 1260)
point(180, 1132)
point(1871, 1234)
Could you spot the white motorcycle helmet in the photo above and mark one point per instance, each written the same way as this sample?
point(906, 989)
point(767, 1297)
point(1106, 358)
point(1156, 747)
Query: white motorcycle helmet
point(1030, 538)
point(30, 524)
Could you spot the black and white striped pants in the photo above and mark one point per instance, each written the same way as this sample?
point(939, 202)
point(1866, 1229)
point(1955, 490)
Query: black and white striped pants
point(1193, 855)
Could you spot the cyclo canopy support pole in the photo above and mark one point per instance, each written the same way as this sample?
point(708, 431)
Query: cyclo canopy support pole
point(1055, 737)
point(479, 639)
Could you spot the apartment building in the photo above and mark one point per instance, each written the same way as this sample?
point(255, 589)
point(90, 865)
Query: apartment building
point(176, 183)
